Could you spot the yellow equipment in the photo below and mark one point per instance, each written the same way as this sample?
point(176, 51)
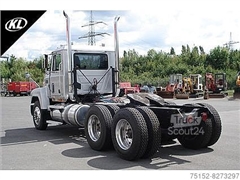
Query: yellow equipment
point(197, 86)
point(183, 91)
point(192, 87)
point(236, 93)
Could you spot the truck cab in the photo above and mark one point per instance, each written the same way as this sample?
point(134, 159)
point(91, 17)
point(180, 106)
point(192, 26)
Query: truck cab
point(88, 74)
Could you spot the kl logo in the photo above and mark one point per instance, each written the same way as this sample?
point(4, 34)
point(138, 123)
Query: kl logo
point(16, 24)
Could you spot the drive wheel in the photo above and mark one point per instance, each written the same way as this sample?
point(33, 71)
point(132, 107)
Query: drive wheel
point(216, 124)
point(200, 138)
point(154, 131)
point(129, 134)
point(98, 127)
point(39, 116)
point(112, 108)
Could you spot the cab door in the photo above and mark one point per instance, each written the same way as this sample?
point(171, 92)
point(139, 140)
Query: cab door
point(56, 77)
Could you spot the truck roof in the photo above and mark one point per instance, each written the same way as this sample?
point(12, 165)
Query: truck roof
point(87, 48)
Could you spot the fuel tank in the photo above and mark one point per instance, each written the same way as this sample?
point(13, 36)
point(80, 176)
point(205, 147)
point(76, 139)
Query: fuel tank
point(73, 114)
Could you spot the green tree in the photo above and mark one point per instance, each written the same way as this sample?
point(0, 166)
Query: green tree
point(156, 66)
point(4, 69)
point(172, 51)
point(218, 58)
point(234, 60)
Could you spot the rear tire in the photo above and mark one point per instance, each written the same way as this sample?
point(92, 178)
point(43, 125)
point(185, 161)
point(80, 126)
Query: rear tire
point(154, 131)
point(112, 108)
point(98, 127)
point(129, 134)
point(39, 116)
point(216, 124)
point(200, 140)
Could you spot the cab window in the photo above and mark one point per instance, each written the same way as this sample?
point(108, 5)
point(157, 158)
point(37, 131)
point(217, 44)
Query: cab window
point(56, 61)
point(91, 61)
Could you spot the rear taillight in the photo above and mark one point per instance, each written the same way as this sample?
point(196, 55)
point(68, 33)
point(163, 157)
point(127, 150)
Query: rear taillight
point(204, 116)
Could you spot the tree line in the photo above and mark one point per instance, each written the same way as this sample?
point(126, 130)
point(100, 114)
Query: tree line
point(156, 66)
point(15, 69)
point(153, 68)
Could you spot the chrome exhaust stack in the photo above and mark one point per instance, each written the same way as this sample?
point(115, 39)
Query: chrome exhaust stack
point(69, 47)
point(116, 47)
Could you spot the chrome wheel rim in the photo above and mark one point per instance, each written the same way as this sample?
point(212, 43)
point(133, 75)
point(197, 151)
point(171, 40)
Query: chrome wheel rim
point(94, 128)
point(124, 134)
point(37, 115)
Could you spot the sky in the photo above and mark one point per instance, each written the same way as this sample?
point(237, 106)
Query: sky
point(144, 25)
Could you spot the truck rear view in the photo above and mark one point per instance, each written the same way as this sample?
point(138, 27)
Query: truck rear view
point(81, 89)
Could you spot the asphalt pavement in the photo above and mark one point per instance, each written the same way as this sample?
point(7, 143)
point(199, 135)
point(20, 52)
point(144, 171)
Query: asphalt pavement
point(63, 147)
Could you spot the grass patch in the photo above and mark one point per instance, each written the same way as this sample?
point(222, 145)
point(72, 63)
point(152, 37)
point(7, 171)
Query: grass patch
point(230, 92)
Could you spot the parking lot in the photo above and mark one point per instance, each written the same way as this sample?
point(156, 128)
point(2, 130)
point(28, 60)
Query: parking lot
point(62, 147)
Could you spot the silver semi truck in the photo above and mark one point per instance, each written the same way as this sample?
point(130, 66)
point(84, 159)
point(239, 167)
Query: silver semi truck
point(81, 88)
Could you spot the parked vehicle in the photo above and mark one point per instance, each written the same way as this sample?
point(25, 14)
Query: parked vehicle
point(20, 88)
point(216, 85)
point(192, 87)
point(236, 93)
point(82, 88)
point(175, 82)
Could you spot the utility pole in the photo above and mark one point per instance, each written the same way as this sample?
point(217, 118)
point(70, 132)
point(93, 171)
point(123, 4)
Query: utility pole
point(230, 43)
point(91, 33)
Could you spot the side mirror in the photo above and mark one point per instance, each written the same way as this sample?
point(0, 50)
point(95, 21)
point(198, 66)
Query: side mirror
point(45, 61)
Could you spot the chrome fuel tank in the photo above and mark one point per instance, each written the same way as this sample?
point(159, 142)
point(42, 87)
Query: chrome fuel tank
point(73, 114)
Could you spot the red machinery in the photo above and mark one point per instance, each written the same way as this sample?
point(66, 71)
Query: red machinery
point(127, 87)
point(20, 87)
point(11, 86)
point(175, 82)
point(216, 85)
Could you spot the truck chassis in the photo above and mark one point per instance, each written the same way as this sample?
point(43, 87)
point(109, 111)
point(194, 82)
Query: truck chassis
point(82, 89)
point(137, 128)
